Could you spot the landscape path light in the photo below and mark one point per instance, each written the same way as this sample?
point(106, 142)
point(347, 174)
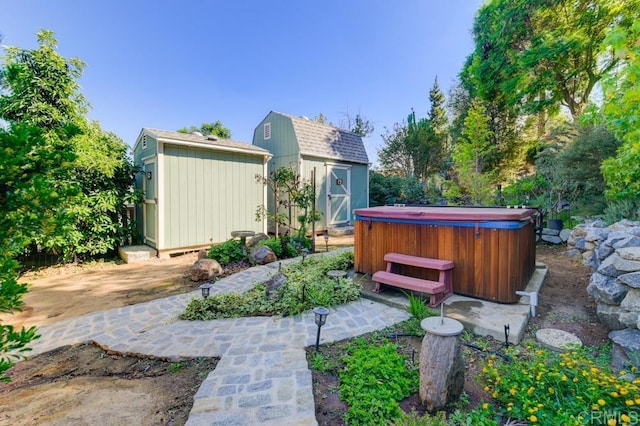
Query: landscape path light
point(205, 289)
point(320, 319)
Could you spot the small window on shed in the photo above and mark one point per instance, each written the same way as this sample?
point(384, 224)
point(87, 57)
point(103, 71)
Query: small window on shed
point(267, 131)
point(144, 141)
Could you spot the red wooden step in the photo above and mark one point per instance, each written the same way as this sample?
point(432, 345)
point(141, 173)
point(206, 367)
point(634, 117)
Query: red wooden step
point(421, 262)
point(410, 283)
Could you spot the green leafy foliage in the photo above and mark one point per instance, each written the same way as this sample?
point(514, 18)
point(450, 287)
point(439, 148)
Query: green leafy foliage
point(228, 252)
point(307, 286)
point(286, 246)
point(374, 380)
point(414, 419)
point(289, 191)
point(418, 307)
point(43, 87)
point(470, 183)
point(391, 189)
point(214, 129)
point(570, 164)
point(570, 388)
point(550, 54)
point(94, 173)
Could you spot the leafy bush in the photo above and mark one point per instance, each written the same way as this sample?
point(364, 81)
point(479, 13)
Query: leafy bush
point(286, 247)
point(570, 388)
point(227, 252)
point(622, 209)
point(307, 286)
point(390, 189)
point(375, 379)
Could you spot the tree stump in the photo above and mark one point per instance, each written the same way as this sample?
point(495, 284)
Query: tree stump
point(441, 364)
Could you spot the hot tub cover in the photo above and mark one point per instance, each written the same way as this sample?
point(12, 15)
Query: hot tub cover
point(448, 214)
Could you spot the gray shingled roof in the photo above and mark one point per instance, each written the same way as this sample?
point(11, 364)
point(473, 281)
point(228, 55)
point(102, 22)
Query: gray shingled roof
point(321, 140)
point(223, 144)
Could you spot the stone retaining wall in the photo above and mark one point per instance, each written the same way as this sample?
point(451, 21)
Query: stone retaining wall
point(613, 252)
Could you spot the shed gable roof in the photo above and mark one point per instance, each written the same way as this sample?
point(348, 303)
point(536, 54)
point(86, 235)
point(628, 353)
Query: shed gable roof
point(321, 140)
point(204, 141)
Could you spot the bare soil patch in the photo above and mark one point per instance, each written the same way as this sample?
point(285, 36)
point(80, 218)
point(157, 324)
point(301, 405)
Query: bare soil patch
point(86, 385)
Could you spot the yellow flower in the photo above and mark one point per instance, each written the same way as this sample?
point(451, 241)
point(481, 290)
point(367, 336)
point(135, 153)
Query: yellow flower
point(612, 422)
point(494, 394)
point(614, 394)
point(602, 402)
point(486, 388)
point(564, 378)
point(625, 418)
point(623, 391)
point(512, 391)
point(530, 390)
point(638, 401)
point(629, 402)
point(533, 419)
point(485, 406)
point(508, 408)
point(575, 379)
point(552, 390)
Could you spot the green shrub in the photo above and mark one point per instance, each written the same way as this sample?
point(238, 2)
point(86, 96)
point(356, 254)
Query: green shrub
point(307, 286)
point(622, 209)
point(227, 252)
point(375, 379)
point(414, 419)
point(286, 247)
point(274, 244)
point(570, 388)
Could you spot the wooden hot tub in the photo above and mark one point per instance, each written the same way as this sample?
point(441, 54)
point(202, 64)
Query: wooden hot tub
point(493, 249)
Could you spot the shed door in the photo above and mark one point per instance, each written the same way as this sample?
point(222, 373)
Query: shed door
point(338, 194)
point(150, 201)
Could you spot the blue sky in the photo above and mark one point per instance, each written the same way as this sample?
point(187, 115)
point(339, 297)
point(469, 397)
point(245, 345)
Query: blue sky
point(170, 64)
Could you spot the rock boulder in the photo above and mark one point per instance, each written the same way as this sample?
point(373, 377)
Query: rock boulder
point(262, 255)
point(205, 269)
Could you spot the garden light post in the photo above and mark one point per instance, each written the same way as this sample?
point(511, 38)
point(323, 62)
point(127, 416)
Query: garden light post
point(205, 289)
point(305, 253)
point(320, 319)
point(326, 240)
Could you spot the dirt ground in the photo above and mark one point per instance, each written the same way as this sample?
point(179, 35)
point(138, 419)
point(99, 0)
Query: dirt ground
point(85, 385)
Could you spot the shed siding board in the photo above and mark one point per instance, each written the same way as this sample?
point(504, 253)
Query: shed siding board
point(321, 186)
point(283, 145)
point(209, 194)
point(359, 181)
point(283, 142)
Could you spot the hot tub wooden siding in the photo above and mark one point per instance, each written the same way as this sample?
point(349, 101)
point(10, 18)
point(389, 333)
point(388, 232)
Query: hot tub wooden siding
point(491, 262)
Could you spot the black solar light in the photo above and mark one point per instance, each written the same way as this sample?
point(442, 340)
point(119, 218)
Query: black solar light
point(320, 319)
point(205, 289)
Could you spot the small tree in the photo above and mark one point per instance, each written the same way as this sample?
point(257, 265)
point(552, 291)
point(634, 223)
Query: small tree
point(289, 191)
point(470, 183)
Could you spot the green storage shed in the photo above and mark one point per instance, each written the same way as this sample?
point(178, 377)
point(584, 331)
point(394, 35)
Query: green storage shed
point(338, 156)
point(198, 189)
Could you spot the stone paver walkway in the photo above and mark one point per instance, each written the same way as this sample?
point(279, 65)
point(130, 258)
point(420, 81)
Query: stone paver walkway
point(262, 376)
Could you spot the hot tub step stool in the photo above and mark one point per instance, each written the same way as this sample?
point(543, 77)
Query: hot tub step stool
point(438, 290)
